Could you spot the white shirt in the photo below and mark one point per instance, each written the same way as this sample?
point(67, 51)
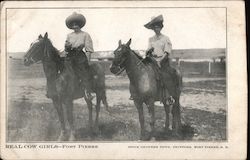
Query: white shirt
point(77, 39)
point(161, 45)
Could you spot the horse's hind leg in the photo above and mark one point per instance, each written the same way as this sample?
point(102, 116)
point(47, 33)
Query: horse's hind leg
point(152, 114)
point(139, 107)
point(69, 107)
point(104, 101)
point(58, 105)
point(98, 104)
point(167, 110)
point(89, 104)
point(176, 116)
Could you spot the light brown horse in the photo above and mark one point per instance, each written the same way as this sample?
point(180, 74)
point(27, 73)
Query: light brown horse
point(143, 77)
point(63, 86)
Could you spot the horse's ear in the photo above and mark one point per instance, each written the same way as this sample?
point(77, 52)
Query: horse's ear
point(120, 43)
point(46, 35)
point(128, 43)
point(40, 36)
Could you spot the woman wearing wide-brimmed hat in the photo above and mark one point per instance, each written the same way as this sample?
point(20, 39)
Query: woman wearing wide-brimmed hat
point(76, 42)
point(159, 47)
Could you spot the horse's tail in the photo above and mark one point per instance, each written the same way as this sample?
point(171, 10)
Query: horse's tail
point(179, 81)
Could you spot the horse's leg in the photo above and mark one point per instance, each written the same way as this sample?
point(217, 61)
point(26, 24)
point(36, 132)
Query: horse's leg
point(152, 114)
point(98, 104)
point(167, 109)
point(139, 107)
point(104, 101)
point(176, 116)
point(69, 107)
point(58, 105)
point(89, 104)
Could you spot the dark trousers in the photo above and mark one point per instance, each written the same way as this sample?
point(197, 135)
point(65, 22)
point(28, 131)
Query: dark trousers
point(81, 67)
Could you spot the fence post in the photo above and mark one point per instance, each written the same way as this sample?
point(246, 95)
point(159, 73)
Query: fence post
point(209, 67)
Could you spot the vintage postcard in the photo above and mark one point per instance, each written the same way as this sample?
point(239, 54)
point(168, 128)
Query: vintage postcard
point(123, 80)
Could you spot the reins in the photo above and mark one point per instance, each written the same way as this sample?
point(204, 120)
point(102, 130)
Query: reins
point(138, 63)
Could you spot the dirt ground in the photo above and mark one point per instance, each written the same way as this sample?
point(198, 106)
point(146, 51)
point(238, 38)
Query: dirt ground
point(32, 117)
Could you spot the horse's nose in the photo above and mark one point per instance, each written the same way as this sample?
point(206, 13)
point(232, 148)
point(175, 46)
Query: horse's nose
point(112, 69)
point(26, 61)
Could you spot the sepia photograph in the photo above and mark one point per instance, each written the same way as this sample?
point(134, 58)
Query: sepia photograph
point(102, 73)
point(116, 74)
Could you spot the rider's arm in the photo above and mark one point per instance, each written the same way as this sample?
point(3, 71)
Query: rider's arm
point(88, 46)
point(168, 47)
point(67, 45)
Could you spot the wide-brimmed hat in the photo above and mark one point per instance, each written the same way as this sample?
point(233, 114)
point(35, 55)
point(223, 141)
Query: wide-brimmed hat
point(77, 18)
point(155, 21)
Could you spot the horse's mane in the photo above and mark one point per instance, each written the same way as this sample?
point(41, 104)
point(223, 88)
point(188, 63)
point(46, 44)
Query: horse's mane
point(50, 45)
point(137, 55)
point(146, 61)
point(55, 54)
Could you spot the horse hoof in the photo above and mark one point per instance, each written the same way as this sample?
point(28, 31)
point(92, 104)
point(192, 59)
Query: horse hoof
point(108, 110)
point(62, 136)
point(152, 139)
point(167, 129)
point(144, 138)
point(95, 129)
point(72, 137)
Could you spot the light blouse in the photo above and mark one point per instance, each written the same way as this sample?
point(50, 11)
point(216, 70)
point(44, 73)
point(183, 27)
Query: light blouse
point(161, 45)
point(76, 39)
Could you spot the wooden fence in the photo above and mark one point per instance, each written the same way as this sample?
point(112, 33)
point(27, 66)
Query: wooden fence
point(186, 68)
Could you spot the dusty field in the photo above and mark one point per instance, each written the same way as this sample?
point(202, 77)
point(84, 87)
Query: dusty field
point(31, 116)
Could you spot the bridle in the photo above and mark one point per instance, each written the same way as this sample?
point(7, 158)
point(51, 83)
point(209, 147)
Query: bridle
point(123, 68)
point(119, 66)
point(45, 53)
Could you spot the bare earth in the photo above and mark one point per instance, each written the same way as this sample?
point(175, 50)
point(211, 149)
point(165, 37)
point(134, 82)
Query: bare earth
point(32, 117)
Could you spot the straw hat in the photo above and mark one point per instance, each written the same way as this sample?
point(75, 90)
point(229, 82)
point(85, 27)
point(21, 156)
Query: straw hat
point(75, 18)
point(155, 21)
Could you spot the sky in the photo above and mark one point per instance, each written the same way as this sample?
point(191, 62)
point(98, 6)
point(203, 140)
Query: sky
point(186, 27)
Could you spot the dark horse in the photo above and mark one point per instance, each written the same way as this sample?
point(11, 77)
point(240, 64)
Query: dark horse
point(143, 77)
point(62, 85)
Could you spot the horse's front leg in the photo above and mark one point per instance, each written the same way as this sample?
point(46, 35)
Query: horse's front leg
point(58, 105)
point(89, 104)
point(167, 110)
point(139, 107)
point(98, 104)
point(176, 116)
point(152, 114)
point(69, 108)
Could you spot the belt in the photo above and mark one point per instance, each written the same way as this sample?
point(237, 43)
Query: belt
point(156, 56)
point(74, 52)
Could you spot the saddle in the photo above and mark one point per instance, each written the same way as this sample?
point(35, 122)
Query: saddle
point(167, 79)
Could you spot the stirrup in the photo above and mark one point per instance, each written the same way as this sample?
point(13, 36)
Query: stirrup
point(171, 100)
point(131, 98)
point(89, 96)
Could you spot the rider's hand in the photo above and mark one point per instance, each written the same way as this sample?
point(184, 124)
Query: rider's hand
point(149, 52)
point(80, 47)
point(67, 46)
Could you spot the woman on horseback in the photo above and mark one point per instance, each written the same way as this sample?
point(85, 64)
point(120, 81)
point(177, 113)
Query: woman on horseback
point(160, 48)
point(74, 45)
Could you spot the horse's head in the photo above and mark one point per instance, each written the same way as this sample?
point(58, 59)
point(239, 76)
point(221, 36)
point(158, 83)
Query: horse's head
point(120, 57)
point(36, 51)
